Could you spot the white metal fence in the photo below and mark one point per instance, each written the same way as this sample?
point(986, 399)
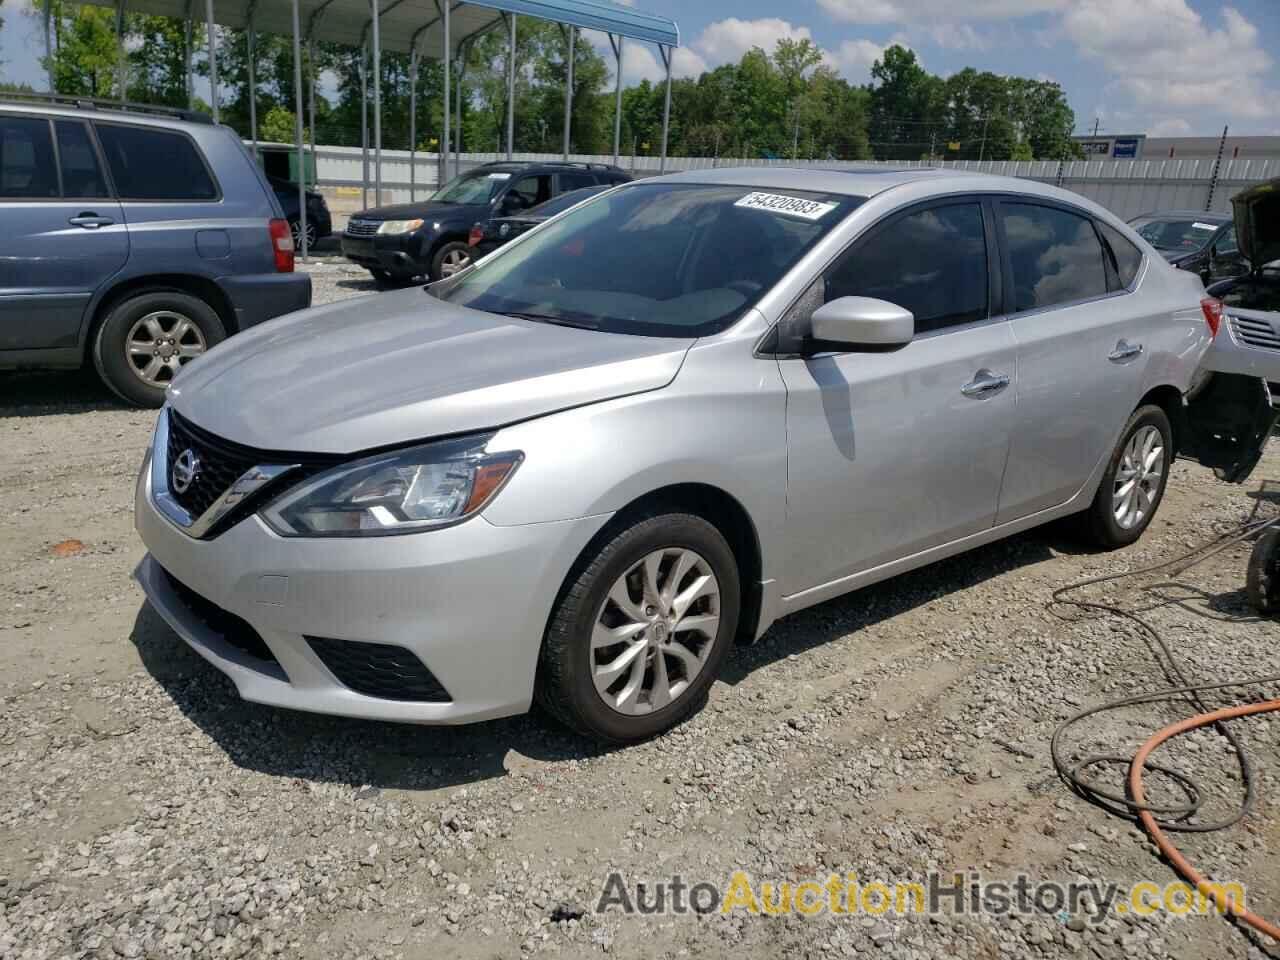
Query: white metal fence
point(1126, 187)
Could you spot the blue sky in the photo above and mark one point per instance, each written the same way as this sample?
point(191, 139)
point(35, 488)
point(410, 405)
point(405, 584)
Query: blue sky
point(1162, 67)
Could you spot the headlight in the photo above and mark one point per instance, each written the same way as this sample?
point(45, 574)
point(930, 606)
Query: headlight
point(403, 491)
point(399, 226)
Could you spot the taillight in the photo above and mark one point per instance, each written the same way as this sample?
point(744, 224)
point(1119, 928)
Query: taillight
point(476, 235)
point(1212, 308)
point(281, 245)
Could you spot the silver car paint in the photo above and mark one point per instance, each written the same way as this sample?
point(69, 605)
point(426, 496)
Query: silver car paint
point(1231, 354)
point(851, 468)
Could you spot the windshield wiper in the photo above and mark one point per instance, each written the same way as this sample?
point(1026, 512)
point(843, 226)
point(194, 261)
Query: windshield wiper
point(548, 318)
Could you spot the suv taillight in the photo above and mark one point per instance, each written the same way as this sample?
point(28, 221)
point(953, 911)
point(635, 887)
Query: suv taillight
point(476, 235)
point(1212, 308)
point(281, 245)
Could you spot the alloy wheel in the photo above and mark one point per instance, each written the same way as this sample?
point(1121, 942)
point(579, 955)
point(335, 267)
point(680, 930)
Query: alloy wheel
point(1138, 477)
point(297, 239)
point(655, 631)
point(160, 343)
point(453, 262)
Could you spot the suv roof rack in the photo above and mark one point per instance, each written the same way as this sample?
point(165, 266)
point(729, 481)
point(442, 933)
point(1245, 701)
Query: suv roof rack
point(98, 103)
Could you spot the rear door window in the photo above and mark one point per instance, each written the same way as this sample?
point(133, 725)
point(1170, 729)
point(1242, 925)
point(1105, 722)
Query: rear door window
point(1127, 257)
point(575, 181)
point(152, 164)
point(932, 262)
point(1054, 256)
point(27, 168)
point(81, 173)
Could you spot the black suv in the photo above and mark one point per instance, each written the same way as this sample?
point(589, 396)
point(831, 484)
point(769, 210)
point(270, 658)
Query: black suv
point(400, 242)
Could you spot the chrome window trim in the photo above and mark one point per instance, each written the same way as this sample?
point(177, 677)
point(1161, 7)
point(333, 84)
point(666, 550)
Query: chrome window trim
point(245, 486)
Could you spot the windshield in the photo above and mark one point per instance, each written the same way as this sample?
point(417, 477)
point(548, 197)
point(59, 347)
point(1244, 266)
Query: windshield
point(662, 259)
point(1188, 235)
point(477, 186)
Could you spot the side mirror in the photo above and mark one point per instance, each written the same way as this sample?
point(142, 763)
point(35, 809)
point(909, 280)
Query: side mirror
point(860, 323)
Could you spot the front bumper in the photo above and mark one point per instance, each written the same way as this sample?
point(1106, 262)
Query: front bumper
point(259, 297)
point(470, 601)
point(395, 253)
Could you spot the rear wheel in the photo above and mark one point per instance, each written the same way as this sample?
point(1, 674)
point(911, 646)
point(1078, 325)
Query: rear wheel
point(1133, 484)
point(148, 337)
point(450, 259)
point(638, 636)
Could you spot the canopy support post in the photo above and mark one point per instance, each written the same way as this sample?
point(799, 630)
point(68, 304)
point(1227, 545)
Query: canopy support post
point(311, 97)
point(48, 44)
point(213, 59)
point(572, 41)
point(413, 119)
point(444, 133)
point(616, 43)
point(511, 87)
point(251, 38)
point(666, 107)
point(377, 105)
point(297, 131)
point(364, 126)
point(186, 56)
point(122, 68)
point(457, 127)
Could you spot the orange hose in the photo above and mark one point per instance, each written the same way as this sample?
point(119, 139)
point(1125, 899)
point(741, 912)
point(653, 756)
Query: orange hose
point(1180, 863)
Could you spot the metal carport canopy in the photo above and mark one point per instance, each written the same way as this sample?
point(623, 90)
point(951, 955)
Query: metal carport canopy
point(403, 21)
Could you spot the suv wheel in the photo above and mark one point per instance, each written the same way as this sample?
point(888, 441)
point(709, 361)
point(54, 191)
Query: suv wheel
point(297, 239)
point(638, 636)
point(148, 337)
point(450, 259)
point(1133, 484)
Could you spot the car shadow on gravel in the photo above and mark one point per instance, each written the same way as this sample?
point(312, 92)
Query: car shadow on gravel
point(328, 749)
point(40, 393)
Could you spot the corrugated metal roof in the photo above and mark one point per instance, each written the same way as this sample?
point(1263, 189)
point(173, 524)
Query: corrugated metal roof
point(401, 22)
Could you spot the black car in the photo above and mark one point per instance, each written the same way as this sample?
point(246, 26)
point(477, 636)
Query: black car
point(398, 243)
point(1199, 242)
point(488, 235)
point(1257, 287)
point(319, 222)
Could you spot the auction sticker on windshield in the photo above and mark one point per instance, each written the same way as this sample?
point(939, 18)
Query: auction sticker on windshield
point(791, 206)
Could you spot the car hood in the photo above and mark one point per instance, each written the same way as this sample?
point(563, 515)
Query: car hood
point(1257, 217)
point(397, 367)
point(414, 211)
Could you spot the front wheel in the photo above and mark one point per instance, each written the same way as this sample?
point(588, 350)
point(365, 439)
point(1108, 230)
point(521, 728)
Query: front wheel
point(450, 259)
point(1133, 484)
point(638, 636)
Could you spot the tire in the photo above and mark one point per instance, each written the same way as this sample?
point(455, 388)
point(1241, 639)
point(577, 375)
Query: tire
point(152, 317)
point(386, 280)
point(442, 263)
point(566, 686)
point(1104, 527)
point(1262, 580)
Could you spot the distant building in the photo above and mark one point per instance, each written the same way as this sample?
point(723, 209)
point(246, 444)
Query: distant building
point(1138, 146)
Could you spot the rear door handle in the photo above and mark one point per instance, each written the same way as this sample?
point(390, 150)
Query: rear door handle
point(985, 383)
point(90, 220)
point(1125, 351)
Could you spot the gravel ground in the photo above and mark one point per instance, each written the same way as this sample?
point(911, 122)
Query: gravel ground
point(146, 811)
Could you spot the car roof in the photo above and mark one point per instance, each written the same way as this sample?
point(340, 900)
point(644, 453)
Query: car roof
point(91, 110)
point(857, 181)
point(510, 166)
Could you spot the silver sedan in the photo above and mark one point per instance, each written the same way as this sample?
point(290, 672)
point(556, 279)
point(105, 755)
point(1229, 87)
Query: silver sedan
point(578, 471)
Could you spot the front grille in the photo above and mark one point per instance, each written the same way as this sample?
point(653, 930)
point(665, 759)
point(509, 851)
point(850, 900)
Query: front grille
point(221, 464)
point(379, 670)
point(1255, 332)
point(363, 228)
point(230, 628)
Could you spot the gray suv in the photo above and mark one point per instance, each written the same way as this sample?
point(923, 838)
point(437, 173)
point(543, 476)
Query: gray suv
point(134, 239)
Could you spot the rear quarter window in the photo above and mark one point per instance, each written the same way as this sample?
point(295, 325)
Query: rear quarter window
point(152, 164)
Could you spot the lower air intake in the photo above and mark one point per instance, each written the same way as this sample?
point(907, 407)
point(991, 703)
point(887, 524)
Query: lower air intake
point(379, 670)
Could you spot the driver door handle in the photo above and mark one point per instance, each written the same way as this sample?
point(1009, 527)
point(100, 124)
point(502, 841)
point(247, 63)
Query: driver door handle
point(1125, 351)
point(985, 383)
point(90, 220)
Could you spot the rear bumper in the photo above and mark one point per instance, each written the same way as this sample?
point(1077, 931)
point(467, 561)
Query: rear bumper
point(264, 296)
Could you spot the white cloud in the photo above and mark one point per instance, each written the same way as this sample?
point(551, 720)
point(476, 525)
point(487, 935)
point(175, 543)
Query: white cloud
point(725, 41)
point(853, 59)
point(931, 11)
point(1169, 127)
point(1168, 60)
point(957, 36)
